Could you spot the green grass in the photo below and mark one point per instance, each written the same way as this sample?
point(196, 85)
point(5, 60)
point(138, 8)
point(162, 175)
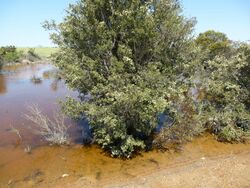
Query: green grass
point(41, 51)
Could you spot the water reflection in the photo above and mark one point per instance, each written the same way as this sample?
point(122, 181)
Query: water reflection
point(28, 84)
point(54, 85)
point(36, 80)
point(3, 87)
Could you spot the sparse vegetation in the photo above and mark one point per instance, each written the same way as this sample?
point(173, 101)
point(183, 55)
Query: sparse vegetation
point(52, 74)
point(27, 149)
point(31, 55)
point(16, 131)
point(42, 52)
point(36, 80)
point(54, 130)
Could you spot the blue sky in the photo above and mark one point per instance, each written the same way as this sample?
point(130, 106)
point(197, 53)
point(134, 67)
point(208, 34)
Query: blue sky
point(20, 20)
point(228, 16)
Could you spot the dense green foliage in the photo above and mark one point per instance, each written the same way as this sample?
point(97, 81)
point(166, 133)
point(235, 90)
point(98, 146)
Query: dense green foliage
point(1, 62)
point(132, 61)
point(9, 54)
point(225, 82)
point(244, 78)
point(217, 101)
point(223, 109)
point(215, 43)
point(121, 54)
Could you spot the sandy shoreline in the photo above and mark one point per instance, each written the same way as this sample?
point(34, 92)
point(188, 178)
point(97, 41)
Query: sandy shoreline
point(232, 170)
point(204, 162)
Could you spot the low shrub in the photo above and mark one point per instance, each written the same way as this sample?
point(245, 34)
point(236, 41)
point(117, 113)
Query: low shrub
point(1, 62)
point(52, 74)
point(185, 124)
point(54, 130)
point(36, 80)
point(218, 106)
point(31, 55)
point(9, 54)
point(231, 134)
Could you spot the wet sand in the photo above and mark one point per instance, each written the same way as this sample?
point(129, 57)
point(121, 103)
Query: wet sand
point(226, 171)
point(204, 161)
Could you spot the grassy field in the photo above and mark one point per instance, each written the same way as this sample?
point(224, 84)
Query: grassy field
point(41, 51)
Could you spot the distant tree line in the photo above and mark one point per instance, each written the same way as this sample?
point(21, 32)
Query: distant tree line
point(10, 54)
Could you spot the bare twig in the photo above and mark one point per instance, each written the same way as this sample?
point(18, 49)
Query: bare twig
point(27, 149)
point(16, 131)
point(54, 131)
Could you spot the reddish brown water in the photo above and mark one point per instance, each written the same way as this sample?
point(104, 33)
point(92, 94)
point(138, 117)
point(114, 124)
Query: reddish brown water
point(45, 165)
point(17, 91)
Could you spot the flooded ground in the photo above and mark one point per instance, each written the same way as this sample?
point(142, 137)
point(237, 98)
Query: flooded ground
point(17, 91)
point(74, 165)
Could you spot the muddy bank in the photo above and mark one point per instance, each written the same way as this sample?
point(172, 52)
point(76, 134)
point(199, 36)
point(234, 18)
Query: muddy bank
point(25, 62)
point(202, 163)
point(78, 166)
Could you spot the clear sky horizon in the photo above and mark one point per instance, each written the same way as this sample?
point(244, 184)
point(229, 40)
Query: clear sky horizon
point(20, 20)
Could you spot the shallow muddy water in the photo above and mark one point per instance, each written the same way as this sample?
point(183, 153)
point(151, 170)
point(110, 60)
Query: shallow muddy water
point(17, 91)
point(52, 166)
